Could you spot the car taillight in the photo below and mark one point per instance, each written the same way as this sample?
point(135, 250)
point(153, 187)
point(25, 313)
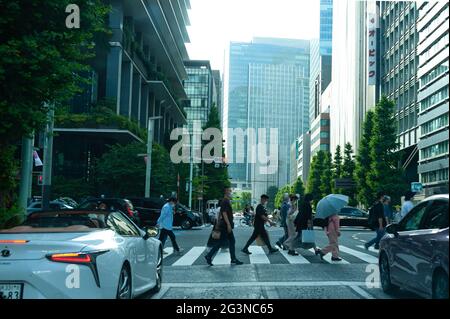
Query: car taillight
point(75, 258)
point(13, 241)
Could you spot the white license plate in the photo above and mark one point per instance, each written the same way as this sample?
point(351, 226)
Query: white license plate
point(11, 291)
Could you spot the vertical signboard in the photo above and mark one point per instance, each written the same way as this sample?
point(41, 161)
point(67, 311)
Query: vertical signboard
point(372, 47)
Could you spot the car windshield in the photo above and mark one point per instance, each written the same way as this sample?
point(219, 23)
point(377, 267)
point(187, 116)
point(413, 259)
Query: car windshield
point(73, 221)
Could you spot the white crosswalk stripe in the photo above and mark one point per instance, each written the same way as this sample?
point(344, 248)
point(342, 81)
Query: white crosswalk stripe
point(169, 251)
point(222, 257)
point(363, 256)
point(258, 255)
point(190, 257)
point(294, 259)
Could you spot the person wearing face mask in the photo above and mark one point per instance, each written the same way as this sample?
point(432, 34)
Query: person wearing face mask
point(259, 230)
point(165, 223)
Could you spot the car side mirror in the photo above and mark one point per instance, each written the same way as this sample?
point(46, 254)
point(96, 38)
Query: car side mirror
point(392, 229)
point(150, 232)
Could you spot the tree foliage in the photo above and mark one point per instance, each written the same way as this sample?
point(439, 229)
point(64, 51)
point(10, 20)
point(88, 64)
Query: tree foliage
point(348, 170)
point(279, 197)
point(298, 187)
point(337, 168)
point(315, 174)
point(272, 193)
point(326, 176)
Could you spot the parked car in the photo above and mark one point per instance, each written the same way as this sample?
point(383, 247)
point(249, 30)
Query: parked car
point(109, 254)
point(149, 210)
point(36, 206)
point(112, 204)
point(414, 252)
point(351, 216)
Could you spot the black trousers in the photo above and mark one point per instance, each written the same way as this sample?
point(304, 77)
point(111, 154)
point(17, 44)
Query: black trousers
point(224, 237)
point(163, 237)
point(264, 236)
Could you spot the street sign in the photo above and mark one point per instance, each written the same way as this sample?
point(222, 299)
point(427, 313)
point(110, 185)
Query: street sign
point(344, 183)
point(416, 187)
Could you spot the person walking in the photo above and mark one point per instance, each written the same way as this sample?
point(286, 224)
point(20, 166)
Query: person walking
point(332, 230)
point(259, 230)
point(377, 220)
point(165, 223)
point(225, 225)
point(407, 204)
point(388, 213)
point(304, 218)
point(292, 233)
point(283, 215)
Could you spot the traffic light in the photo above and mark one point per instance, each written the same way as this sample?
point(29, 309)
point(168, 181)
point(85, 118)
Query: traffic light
point(40, 180)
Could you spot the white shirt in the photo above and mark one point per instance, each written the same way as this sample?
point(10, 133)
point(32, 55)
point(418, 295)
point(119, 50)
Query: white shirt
point(406, 207)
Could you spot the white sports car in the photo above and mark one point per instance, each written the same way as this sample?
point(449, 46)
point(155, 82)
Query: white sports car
point(79, 254)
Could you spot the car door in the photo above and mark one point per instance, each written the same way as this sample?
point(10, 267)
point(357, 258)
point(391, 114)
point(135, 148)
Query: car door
point(404, 258)
point(152, 210)
point(425, 243)
point(135, 247)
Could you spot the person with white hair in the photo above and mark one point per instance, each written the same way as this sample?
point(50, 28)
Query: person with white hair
point(285, 206)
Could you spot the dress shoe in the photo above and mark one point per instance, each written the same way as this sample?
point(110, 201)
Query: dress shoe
point(246, 251)
point(208, 260)
point(292, 253)
point(236, 262)
point(273, 250)
point(336, 259)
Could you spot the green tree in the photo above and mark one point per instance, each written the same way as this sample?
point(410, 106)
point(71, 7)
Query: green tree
point(121, 172)
point(279, 197)
point(315, 173)
point(298, 187)
point(365, 193)
point(384, 174)
point(348, 170)
point(217, 173)
point(272, 193)
point(41, 63)
point(326, 176)
point(337, 168)
point(246, 198)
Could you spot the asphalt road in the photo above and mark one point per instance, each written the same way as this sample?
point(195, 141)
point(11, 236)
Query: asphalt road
point(273, 276)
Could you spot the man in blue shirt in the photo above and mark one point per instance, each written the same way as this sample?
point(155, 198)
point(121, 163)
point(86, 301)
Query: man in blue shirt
point(283, 215)
point(165, 223)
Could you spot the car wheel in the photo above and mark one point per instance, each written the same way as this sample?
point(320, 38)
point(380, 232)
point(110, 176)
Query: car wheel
point(159, 266)
point(124, 286)
point(385, 275)
point(186, 224)
point(440, 286)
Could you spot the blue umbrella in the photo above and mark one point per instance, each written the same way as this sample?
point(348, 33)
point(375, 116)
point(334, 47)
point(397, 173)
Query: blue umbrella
point(330, 205)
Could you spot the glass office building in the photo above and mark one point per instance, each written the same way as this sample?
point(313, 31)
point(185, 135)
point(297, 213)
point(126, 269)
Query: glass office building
point(433, 96)
point(326, 27)
point(264, 59)
point(399, 81)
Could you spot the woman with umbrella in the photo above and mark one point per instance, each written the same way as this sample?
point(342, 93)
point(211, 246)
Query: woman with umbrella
point(328, 209)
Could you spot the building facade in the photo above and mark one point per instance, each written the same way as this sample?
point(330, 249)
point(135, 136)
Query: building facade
point(352, 95)
point(433, 95)
point(304, 156)
point(399, 81)
point(320, 134)
point(218, 96)
point(254, 70)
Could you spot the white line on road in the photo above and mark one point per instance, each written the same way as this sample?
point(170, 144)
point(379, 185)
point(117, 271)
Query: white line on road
point(294, 259)
point(361, 292)
point(190, 257)
point(327, 258)
point(169, 251)
point(363, 256)
point(370, 248)
point(263, 284)
point(222, 257)
point(258, 255)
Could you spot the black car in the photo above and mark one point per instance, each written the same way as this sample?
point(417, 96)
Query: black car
point(352, 216)
point(121, 204)
point(149, 210)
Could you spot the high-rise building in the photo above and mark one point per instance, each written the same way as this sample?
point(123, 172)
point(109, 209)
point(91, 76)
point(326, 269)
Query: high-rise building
point(217, 98)
point(304, 156)
point(266, 75)
point(433, 96)
point(326, 27)
point(200, 89)
point(399, 82)
point(352, 95)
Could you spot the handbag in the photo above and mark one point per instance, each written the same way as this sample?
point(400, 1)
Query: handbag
point(216, 232)
point(308, 236)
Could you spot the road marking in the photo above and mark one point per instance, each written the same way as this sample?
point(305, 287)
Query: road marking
point(361, 292)
point(294, 259)
point(327, 258)
point(169, 252)
point(258, 255)
point(370, 248)
point(222, 258)
point(363, 256)
point(190, 257)
point(265, 284)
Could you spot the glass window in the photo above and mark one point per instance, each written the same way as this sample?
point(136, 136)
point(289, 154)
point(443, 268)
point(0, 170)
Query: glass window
point(121, 225)
point(437, 97)
point(413, 219)
point(435, 150)
point(437, 215)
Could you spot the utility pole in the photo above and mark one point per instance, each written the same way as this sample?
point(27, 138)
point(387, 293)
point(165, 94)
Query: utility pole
point(26, 171)
point(148, 168)
point(48, 159)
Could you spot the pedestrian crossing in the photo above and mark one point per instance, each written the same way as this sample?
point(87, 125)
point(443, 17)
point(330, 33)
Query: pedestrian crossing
point(260, 255)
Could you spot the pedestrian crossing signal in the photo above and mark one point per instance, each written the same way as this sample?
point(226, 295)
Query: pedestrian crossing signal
point(40, 180)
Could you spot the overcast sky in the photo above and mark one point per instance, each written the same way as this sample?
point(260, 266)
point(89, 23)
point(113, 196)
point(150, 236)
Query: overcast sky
point(214, 23)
